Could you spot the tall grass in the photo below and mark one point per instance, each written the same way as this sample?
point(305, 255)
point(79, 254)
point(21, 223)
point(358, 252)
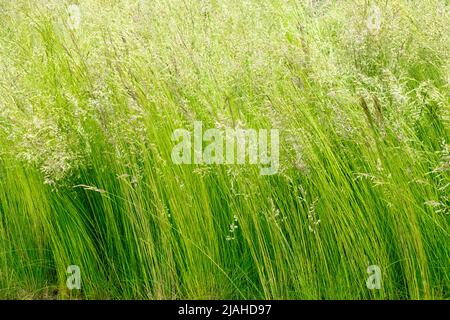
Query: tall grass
point(86, 177)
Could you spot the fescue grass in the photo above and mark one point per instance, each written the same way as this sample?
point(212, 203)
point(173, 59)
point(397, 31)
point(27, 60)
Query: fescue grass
point(86, 176)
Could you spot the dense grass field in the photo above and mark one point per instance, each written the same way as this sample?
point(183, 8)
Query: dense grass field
point(91, 92)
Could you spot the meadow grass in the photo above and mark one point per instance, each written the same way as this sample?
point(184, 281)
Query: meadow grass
point(86, 177)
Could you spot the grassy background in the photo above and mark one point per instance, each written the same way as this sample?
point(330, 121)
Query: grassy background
point(86, 178)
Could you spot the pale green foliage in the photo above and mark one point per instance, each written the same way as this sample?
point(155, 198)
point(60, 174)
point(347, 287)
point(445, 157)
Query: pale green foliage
point(86, 177)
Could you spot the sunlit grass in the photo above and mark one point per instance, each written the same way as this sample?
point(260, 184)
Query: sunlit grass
point(86, 176)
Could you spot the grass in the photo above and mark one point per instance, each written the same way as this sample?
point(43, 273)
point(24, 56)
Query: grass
point(86, 177)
